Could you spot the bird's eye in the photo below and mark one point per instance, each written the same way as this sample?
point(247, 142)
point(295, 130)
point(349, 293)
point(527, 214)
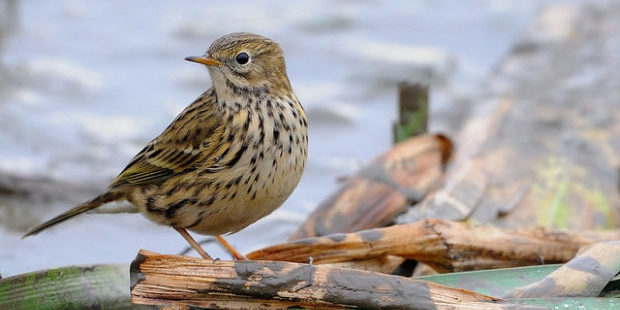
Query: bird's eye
point(243, 58)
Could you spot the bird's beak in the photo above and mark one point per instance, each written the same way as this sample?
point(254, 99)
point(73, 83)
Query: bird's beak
point(204, 60)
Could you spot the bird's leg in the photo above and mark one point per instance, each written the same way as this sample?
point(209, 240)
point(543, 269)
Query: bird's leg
point(230, 248)
point(193, 243)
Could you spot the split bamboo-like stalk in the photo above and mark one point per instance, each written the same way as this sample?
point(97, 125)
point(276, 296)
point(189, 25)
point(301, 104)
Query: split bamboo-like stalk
point(180, 280)
point(585, 275)
point(72, 287)
point(444, 245)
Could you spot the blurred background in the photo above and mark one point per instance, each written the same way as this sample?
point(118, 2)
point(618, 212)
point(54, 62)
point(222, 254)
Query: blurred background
point(85, 84)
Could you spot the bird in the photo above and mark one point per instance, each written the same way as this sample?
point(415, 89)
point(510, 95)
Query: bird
point(231, 157)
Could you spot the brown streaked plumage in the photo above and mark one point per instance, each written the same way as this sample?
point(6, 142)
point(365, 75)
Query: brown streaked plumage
point(230, 158)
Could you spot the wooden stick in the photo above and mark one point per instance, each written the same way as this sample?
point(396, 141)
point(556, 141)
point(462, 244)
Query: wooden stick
point(445, 246)
point(169, 279)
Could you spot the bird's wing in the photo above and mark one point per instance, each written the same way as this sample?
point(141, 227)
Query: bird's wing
point(187, 142)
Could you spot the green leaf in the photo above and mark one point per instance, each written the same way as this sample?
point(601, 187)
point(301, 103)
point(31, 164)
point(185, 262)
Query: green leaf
point(498, 282)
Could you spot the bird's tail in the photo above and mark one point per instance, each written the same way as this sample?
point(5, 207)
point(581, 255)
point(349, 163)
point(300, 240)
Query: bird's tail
point(85, 207)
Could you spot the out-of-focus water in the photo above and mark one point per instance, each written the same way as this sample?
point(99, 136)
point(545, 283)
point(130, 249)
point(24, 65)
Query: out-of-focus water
point(85, 84)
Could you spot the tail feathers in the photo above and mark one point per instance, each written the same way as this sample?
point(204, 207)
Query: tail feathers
point(85, 207)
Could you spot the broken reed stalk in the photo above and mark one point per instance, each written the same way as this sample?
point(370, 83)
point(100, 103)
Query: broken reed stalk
point(382, 189)
point(412, 111)
point(71, 287)
point(444, 245)
point(170, 279)
point(586, 275)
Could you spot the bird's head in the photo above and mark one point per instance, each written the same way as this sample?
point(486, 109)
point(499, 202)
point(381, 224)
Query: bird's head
point(245, 61)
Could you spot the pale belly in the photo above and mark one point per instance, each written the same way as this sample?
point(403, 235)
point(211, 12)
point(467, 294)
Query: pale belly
point(247, 207)
point(231, 201)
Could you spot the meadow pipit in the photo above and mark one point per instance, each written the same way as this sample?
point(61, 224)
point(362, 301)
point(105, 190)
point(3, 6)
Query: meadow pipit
point(230, 158)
